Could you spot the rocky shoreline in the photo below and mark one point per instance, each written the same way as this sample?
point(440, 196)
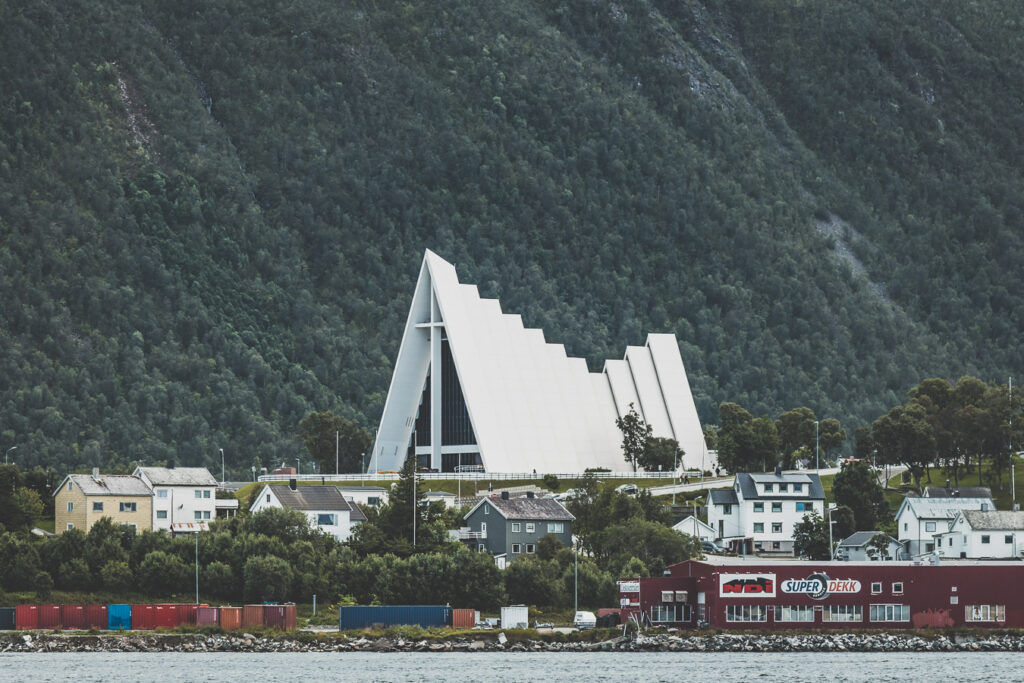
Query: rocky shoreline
point(306, 642)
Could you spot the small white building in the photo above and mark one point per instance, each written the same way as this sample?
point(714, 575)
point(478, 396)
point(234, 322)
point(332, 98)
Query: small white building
point(325, 506)
point(919, 519)
point(859, 547)
point(978, 535)
point(375, 496)
point(445, 497)
point(181, 495)
point(758, 514)
point(694, 527)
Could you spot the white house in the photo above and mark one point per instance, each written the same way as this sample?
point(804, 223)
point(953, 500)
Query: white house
point(366, 495)
point(181, 495)
point(978, 535)
point(858, 547)
point(444, 496)
point(759, 512)
point(325, 506)
point(919, 519)
point(694, 527)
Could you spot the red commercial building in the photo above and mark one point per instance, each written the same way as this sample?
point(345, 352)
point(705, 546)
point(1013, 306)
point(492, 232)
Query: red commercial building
point(847, 595)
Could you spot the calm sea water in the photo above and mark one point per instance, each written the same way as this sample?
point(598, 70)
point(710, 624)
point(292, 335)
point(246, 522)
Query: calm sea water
point(580, 667)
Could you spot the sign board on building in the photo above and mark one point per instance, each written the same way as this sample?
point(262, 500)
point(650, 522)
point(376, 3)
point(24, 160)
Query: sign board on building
point(819, 586)
point(629, 586)
point(746, 585)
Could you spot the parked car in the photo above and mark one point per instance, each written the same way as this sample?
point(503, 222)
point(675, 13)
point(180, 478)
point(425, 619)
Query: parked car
point(583, 620)
point(711, 547)
point(628, 489)
point(570, 494)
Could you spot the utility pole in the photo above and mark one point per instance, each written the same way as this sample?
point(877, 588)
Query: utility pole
point(414, 508)
point(816, 442)
point(12, 448)
point(1013, 456)
point(197, 566)
point(337, 469)
point(222, 480)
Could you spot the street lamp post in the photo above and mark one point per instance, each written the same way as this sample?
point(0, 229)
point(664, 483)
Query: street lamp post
point(414, 510)
point(831, 552)
point(253, 468)
point(222, 479)
point(12, 448)
point(197, 566)
point(816, 442)
point(298, 466)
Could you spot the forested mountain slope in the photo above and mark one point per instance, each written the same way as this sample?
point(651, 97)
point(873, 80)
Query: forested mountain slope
point(212, 213)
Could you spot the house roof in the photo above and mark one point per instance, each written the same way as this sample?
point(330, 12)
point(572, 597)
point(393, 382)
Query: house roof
point(861, 538)
point(995, 520)
point(356, 514)
point(369, 489)
point(957, 492)
point(307, 497)
point(942, 508)
point(691, 522)
point(177, 476)
point(108, 485)
point(545, 509)
point(724, 497)
point(748, 485)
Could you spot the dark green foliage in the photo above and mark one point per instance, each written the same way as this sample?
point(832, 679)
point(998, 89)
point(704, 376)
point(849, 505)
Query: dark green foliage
point(212, 214)
point(334, 442)
point(635, 435)
point(162, 574)
point(267, 579)
point(810, 537)
point(856, 487)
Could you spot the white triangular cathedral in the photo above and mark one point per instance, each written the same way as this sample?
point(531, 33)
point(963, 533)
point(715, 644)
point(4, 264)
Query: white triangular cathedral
point(473, 388)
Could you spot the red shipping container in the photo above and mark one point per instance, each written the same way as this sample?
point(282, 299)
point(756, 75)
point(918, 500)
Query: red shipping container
point(281, 617)
point(96, 617)
point(252, 615)
point(463, 618)
point(49, 616)
point(230, 618)
point(143, 617)
point(165, 616)
point(187, 614)
point(72, 616)
point(207, 616)
point(26, 617)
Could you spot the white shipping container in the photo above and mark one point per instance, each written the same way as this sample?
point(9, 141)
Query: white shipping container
point(515, 616)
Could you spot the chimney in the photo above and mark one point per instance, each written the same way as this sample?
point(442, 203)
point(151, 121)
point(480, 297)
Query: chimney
point(778, 470)
point(948, 487)
point(292, 484)
point(504, 495)
point(984, 507)
point(529, 494)
point(96, 473)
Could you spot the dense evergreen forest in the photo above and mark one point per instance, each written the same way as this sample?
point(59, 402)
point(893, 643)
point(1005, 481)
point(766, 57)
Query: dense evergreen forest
point(212, 214)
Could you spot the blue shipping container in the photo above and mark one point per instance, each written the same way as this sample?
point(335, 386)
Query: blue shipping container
point(365, 616)
point(119, 617)
point(6, 618)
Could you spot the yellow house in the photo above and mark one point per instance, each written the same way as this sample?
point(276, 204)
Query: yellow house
point(82, 499)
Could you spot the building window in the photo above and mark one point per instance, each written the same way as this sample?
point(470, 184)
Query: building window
point(71, 506)
point(515, 527)
point(206, 494)
point(322, 519)
point(906, 526)
point(768, 488)
point(128, 507)
point(794, 613)
point(727, 509)
point(531, 548)
point(776, 527)
point(776, 545)
point(483, 527)
point(555, 527)
point(746, 613)
point(842, 613)
point(516, 549)
point(70, 526)
point(487, 509)
point(876, 588)
point(161, 514)
point(198, 514)
point(758, 507)
point(71, 486)
point(929, 526)
point(985, 538)
point(798, 488)
point(670, 613)
point(480, 547)
point(985, 612)
point(530, 528)
point(372, 500)
point(1008, 538)
point(890, 613)
point(206, 514)
point(783, 488)
point(758, 527)
point(897, 588)
point(954, 599)
point(805, 507)
point(776, 507)
point(161, 493)
point(97, 507)
point(199, 494)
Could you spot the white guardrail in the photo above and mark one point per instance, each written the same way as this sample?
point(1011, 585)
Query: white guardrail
point(471, 476)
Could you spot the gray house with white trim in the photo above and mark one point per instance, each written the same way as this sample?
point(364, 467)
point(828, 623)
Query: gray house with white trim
point(507, 526)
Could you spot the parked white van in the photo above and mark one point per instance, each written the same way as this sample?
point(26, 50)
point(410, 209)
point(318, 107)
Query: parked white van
point(584, 620)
